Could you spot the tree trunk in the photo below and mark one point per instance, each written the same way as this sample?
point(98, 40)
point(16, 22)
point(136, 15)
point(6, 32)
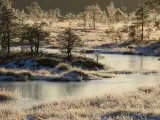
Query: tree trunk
point(84, 23)
point(8, 40)
point(142, 37)
point(155, 17)
point(31, 47)
point(38, 44)
point(69, 55)
point(94, 21)
point(68, 47)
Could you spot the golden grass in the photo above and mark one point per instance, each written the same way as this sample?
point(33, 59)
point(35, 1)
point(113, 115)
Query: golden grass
point(143, 101)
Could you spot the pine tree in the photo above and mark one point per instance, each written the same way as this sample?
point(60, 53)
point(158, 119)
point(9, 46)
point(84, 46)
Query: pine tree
point(8, 24)
point(34, 35)
point(67, 41)
point(141, 16)
point(35, 11)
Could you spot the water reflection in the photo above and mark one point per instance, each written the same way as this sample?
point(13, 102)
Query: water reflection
point(59, 91)
point(130, 62)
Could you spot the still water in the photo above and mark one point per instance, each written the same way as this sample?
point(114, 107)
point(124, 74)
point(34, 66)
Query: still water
point(131, 62)
point(41, 91)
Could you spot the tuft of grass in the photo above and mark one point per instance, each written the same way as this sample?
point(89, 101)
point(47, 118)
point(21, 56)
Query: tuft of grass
point(62, 67)
point(146, 90)
point(77, 74)
point(9, 95)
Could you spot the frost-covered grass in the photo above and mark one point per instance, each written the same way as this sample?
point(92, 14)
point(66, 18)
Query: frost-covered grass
point(8, 113)
point(63, 72)
point(54, 75)
point(9, 95)
point(141, 103)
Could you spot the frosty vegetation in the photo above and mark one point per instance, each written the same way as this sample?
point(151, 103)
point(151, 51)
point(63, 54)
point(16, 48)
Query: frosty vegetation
point(25, 36)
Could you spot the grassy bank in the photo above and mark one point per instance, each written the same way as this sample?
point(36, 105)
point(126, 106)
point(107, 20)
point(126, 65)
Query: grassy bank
point(143, 102)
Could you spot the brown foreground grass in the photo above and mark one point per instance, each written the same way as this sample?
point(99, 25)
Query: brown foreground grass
point(143, 102)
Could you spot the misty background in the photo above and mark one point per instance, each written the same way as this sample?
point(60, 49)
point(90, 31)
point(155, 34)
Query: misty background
point(76, 6)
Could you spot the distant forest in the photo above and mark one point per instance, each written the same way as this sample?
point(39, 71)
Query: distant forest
point(76, 6)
